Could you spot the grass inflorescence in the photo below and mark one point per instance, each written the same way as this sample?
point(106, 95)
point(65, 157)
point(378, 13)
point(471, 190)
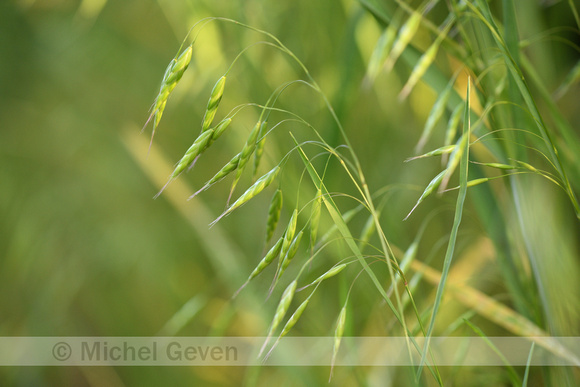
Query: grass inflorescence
point(485, 126)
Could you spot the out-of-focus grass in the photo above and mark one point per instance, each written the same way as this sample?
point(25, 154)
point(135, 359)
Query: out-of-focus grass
point(85, 250)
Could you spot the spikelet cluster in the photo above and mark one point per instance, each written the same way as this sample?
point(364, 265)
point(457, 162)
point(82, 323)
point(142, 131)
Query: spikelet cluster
point(171, 78)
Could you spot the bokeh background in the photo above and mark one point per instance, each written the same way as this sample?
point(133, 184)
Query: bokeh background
point(85, 250)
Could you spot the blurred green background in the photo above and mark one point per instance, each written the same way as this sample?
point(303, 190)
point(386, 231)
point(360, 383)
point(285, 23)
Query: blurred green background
point(84, 248)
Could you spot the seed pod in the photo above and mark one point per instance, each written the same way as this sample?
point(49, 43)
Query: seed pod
point(213, 103)
point(274, 214)
point(255, 189)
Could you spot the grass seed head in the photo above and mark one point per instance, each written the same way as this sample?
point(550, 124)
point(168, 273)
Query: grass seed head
point(439, 151)
point(475, 182)
point(338, 336)
point(471, 183)
point(291, 253)
point(179, 66)
point(171, 77)
point(381, 51)
point(213, 103)
point(167, 73)
point(226, 170)
point(198, 146)
point(435, 115)
point(454, 160)
point(294, 246)
point(527, 166)
point(339, 328)
point(294, 318)
point(264, 263)
point(406, 34)
point(453, 124)
point(289, 234)
point(283, 306)
point(254, 190)
point(315, 218)
point(274, 214)
point(281, 310)
point(250, 145)
point(260, 147)
point(267, 260)
point(220, 129)
point(245, 154)
point(423, 64)
point(158, 112)
point(257, 187)
point(330, 273)
point(499, 166)
point(431, 187)
point(221, 174)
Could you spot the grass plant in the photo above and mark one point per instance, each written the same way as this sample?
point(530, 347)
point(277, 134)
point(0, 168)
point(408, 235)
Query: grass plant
point(500, 134)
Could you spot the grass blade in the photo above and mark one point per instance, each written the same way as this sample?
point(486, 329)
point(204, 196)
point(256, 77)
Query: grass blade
point(435, 115)
point(337, 337)
point(349, 240)
point(425, 61)
point(514, 377)
point(527, 373)
point(456, 222)
point(498, 313)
